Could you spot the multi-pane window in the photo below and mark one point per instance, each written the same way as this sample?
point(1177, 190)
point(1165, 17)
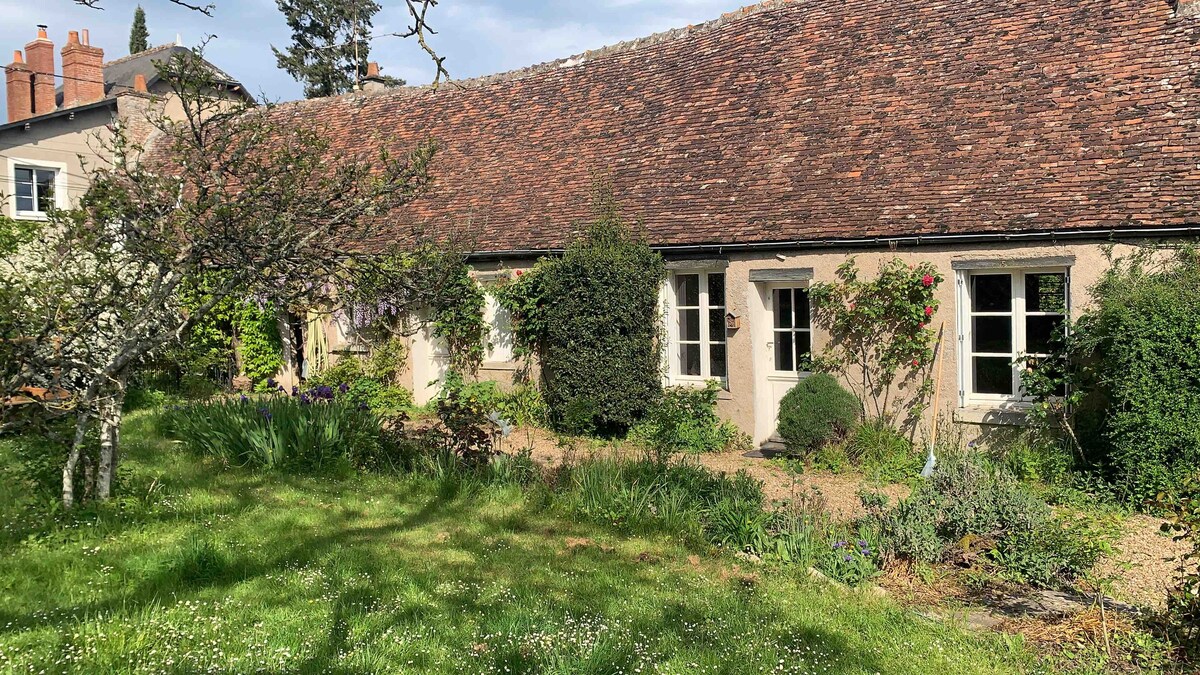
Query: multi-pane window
point(35, 189)
point(699, 325)
point(1013, 321)
point(793, 330)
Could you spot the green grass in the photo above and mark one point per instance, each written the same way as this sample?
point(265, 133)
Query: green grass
point(200, 569)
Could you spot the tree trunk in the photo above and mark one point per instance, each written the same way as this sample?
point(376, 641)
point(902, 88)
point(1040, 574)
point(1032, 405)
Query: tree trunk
point(110, 430)
point(81, 423)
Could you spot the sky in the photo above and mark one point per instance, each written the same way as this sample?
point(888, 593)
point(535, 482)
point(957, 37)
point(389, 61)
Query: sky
point(477, 37)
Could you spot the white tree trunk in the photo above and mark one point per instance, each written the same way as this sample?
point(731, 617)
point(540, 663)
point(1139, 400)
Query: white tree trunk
point(81, 424)
point(110, 432)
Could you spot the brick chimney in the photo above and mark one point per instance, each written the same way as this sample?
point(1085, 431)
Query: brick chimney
point(373, 82)
point(83, 71)
point(19, 89)
point(39, 54)
point(1187, 7)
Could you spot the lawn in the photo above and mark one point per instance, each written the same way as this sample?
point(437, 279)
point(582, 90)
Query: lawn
point(207, 569)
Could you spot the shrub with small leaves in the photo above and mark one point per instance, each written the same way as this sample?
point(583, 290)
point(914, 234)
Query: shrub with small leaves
point(685, 420)
point(817, 411)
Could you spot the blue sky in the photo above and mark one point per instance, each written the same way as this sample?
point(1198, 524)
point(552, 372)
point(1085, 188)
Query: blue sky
point(478, 37)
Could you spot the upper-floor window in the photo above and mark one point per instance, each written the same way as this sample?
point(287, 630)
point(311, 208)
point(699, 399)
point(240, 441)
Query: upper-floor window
point(696, 318)
point(36, 188)
point(1012, 320)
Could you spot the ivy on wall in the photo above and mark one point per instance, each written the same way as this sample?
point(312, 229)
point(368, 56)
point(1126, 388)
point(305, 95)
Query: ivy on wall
point(591, 318)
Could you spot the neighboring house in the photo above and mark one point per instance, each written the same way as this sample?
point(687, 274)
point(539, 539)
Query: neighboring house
point(1005, 142)
point(59, 123)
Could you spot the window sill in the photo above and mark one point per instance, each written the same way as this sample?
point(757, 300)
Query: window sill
point(31, 215)
point(499, 365)
point(723, 393)
point(1011, 415)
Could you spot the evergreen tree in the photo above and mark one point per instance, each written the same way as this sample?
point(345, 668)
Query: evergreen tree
point(139, 37)
point(322, 55)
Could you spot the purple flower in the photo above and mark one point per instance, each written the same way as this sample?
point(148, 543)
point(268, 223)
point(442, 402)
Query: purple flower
point(295, 391)
point(363, 406)
point(848, 557)
point(265, 413)
point(343, 387)
point(304, 400)
point(839, 545)
point(244, 398)
point(271, 383)
point(862, 543)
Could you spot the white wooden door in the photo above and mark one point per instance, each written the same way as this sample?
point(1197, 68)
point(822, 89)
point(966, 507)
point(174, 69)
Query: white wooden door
point(431, 361)
point(782, 335)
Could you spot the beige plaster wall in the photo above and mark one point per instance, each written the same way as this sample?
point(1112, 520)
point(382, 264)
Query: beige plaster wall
point(1090, 263)
point(738, 405)
point(59, 143)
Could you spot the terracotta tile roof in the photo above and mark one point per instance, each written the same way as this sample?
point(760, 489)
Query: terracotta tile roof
point(814, 119)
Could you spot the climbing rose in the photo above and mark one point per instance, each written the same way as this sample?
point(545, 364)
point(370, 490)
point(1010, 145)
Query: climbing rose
point(916, 363)
point(928, 311)
point(927, 280)
point(519, 273)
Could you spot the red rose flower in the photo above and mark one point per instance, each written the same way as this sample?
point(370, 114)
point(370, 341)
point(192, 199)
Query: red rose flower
point(519, 273)
point(927, 280)
point(928, 311)
point(920, 326)
point(916, 363)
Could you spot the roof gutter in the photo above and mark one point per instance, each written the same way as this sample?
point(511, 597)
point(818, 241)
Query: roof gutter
point(881, 242)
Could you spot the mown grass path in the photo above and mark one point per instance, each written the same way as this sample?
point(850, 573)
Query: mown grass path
point(226, 571)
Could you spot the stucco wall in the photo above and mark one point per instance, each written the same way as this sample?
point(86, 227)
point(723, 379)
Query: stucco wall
point(57, 143)
point(738, 403)
point(1090, 262)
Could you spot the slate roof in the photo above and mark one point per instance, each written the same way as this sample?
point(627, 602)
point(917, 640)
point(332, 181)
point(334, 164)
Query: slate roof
point(812, 119)
point(120, 73)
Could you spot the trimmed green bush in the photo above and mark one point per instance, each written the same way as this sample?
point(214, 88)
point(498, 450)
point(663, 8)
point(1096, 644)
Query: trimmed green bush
point(592, 319)
point(816, 412)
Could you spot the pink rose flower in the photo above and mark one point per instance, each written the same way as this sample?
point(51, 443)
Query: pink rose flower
point(928, 311)
point(927, 280)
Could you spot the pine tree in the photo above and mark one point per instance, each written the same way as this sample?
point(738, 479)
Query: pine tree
point(322, 55)
point(139, 37)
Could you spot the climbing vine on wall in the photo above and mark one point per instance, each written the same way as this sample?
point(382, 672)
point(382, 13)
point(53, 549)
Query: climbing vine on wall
point(881, 336)
point(457, 316)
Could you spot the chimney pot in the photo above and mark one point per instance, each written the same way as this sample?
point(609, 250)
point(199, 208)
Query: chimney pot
point(17, 57)
point(87, 38)
point(139, 83)
point(42, 32)
point(73, 37)
point(373, 69)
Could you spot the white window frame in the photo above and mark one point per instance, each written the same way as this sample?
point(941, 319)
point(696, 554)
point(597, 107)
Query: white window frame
point(60, 186)
point(966, 342)
point(672, 307)
point(794, 330)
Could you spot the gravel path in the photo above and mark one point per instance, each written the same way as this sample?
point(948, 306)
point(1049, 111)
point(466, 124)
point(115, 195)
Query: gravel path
point(1144, 568)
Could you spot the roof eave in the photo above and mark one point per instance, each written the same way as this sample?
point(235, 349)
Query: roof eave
point(65, 112)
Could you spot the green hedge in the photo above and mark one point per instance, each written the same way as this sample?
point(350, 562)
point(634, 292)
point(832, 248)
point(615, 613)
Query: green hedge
point(815, 412)
point(591, 317)
point(1137, 354)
